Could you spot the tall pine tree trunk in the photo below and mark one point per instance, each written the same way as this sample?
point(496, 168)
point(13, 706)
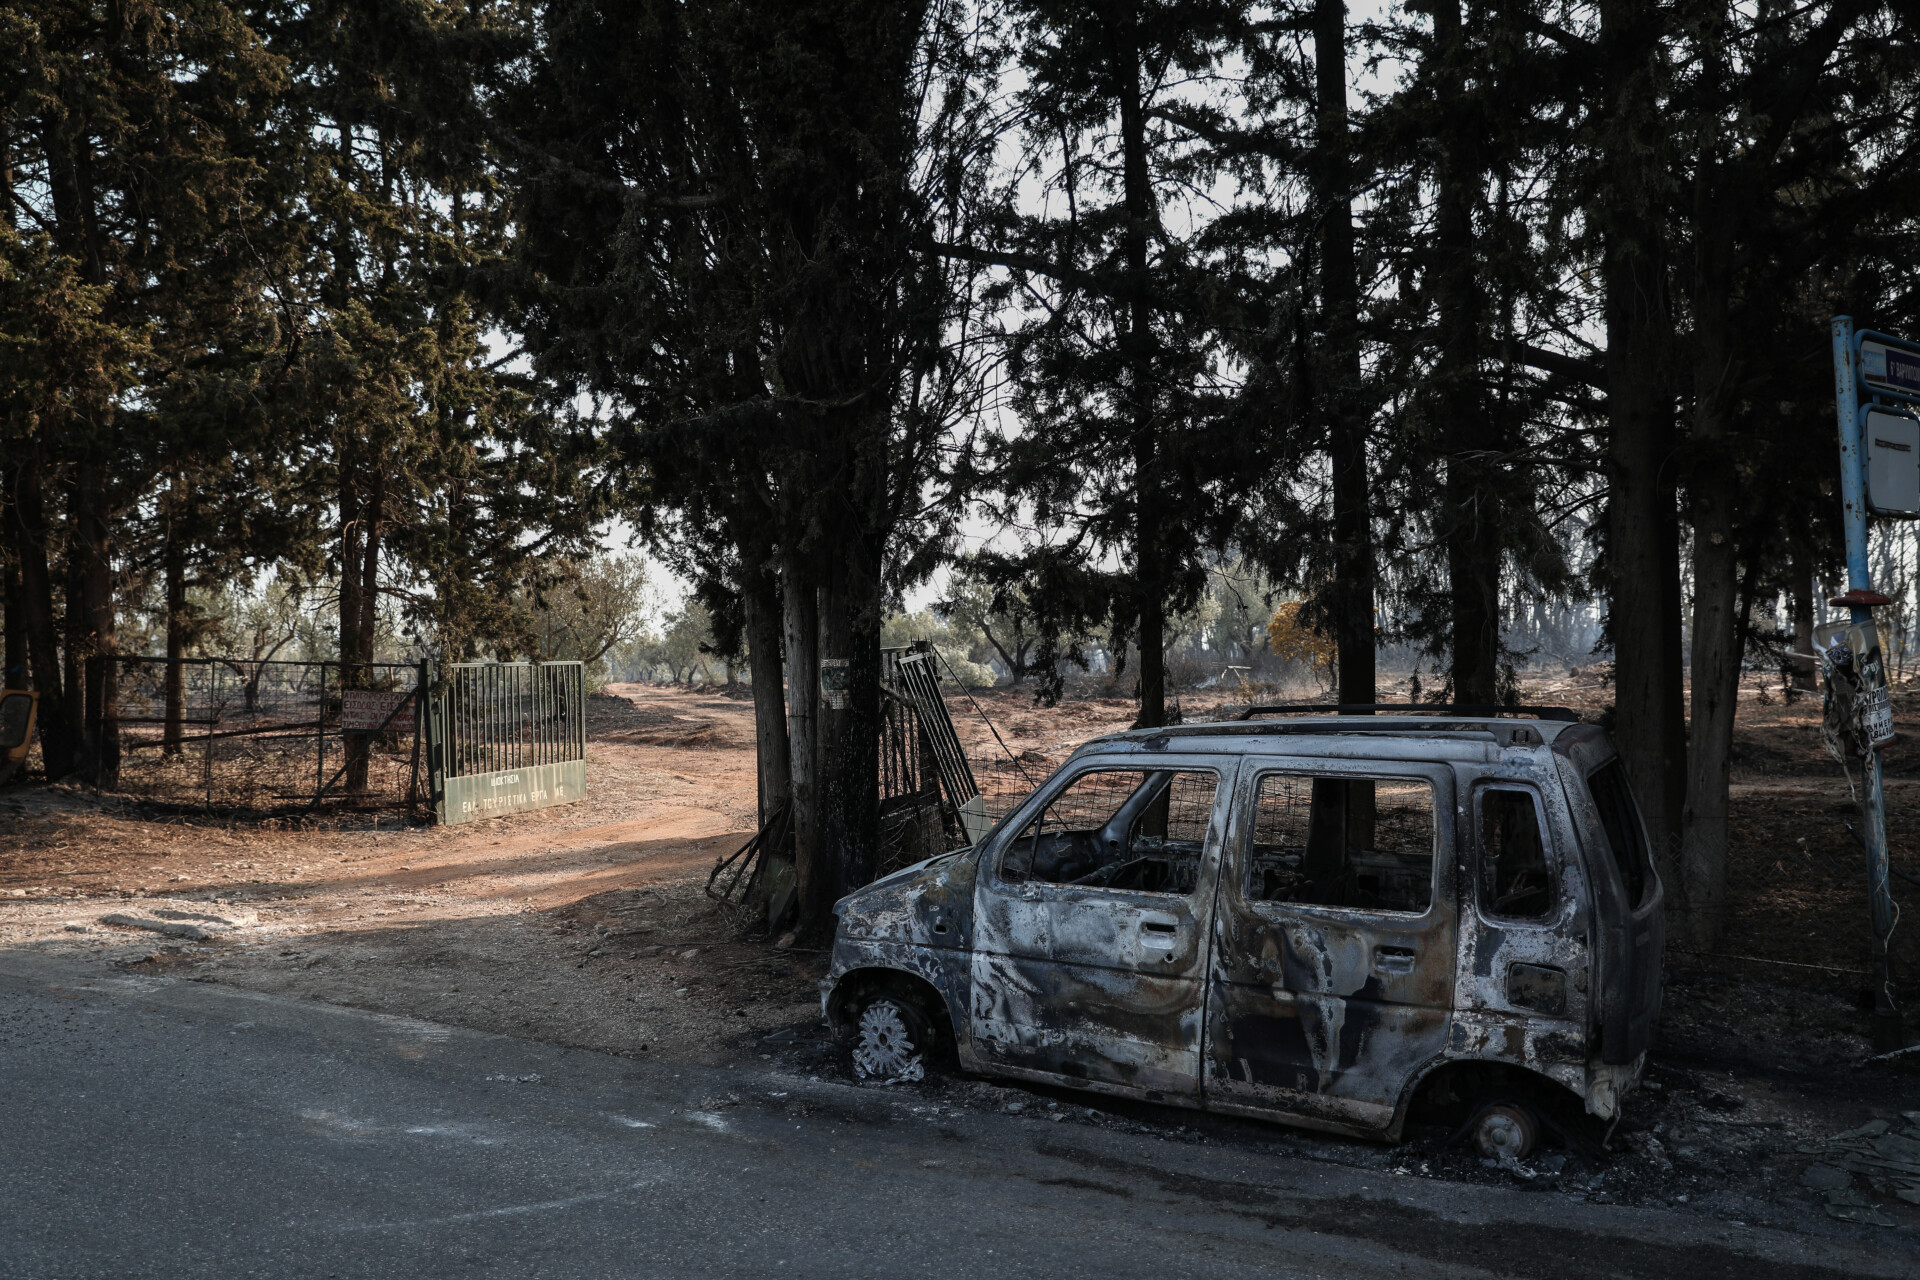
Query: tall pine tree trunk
point(90, 553)
point(849, 725)
point(372, 512)
point(802, 618)
point(1138, 349)
point(1470, 516)
point(352, 586)
point(1718, 633)
point(832, 729)
point(1643, 550)
point(1351, 598)
point(13, 667)
point(174, 696)
point(1800, 599)
point(761, 595)
point(27, 516)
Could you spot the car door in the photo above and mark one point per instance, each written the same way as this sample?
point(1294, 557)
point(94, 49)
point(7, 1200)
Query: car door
point(1524, 958)
point(1089, 925)
point(1331, 978)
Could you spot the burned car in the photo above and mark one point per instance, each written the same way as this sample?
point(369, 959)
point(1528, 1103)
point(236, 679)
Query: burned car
point(1326, 921)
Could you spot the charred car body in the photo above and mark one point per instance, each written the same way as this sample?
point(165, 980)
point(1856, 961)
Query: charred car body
point(1318, 921)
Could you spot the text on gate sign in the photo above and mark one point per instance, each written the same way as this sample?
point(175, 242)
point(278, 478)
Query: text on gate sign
point(365, 710)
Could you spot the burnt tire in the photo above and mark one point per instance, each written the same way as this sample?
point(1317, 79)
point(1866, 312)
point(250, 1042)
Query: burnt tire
point(893, 1039)
point(1504, 1129)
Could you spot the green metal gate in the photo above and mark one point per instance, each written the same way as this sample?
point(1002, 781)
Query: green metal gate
point(503, 737)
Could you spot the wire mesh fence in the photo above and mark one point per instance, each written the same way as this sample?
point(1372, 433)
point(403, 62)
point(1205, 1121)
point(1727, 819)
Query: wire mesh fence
point(265, 737)
point(1007, 780)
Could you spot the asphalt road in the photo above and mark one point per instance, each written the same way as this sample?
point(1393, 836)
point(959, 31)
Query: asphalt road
point(157, 1127)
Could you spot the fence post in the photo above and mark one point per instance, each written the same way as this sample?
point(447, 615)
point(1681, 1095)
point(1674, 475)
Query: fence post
point(320, 737)
point(213, 723)
point(434, 713)
point(419, 727)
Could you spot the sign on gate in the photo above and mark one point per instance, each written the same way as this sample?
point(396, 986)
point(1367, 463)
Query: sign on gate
point(366, 710)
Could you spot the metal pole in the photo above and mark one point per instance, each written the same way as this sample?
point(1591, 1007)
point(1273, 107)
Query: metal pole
point(419, 731)
point(320, 736)
point(1889, 1031)
point(213, 723)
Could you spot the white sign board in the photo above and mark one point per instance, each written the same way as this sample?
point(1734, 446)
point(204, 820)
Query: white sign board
point(1893, 463)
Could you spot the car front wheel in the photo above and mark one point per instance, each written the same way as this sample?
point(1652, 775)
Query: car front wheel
point(891, 1040)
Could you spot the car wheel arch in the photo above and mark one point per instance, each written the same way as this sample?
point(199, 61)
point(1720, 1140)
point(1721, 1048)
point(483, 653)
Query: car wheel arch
point(1470, 1079)
point(858, 985)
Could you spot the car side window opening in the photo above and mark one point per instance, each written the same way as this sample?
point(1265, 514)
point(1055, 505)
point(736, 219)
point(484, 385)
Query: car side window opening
point(1133, 829)
point(1614, 799)
point(1515, 882)
point(1364, 843)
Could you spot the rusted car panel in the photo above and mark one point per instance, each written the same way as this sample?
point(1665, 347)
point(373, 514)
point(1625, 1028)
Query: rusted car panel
point(1358, 905)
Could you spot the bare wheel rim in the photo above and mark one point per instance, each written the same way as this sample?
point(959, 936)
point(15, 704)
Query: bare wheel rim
point(886, 1047)
point(1504, 1132)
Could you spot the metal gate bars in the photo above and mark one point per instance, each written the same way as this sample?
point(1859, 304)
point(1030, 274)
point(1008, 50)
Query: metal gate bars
point(505, 737)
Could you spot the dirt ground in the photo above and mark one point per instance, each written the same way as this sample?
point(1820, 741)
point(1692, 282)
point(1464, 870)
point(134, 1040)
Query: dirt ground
point(588, 926)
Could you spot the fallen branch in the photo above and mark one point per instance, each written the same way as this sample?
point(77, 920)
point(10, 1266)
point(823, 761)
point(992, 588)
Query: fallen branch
point(1888, 1057)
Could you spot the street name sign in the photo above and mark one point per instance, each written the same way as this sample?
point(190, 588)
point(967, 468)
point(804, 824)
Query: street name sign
point(1885, 367)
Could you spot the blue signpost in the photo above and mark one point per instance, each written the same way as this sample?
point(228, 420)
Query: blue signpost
point(1876, 378)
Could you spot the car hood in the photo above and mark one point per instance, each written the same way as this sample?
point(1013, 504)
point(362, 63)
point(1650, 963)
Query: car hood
point(929, 903)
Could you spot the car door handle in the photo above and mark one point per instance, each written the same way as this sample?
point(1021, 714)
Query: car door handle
point(1393, 959)
point(1159, 935)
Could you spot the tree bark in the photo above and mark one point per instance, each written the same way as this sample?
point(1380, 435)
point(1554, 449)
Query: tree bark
point(762, 600)
point(849, 727)
point(802, 617)
point(1470, 513)
point(26, 512)
point(373, 519)
point(1800, 594)
point(359, 587)
point(1137, 344)
point(13, 674)
point(1352, 595)
point(1714, 489)
point(1642, 531)
point(174, 690)
point(90, 552)
point(351, 530)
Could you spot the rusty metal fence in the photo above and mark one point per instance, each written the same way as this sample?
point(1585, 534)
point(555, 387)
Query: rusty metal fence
point(263, 738)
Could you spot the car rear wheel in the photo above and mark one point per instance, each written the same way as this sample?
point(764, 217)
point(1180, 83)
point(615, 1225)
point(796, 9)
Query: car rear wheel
point(891, 1040)
point(1504, 1130)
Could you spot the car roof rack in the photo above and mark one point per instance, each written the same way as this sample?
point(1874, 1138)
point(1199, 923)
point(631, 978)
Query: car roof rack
point(1418, 708)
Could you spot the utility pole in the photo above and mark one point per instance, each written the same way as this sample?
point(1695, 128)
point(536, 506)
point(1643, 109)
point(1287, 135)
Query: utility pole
point(1893, 378)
